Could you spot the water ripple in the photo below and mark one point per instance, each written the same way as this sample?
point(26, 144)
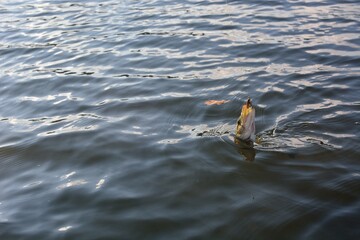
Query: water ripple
point(107, 134)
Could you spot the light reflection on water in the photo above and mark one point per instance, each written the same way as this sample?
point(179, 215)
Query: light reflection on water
point(107, 134)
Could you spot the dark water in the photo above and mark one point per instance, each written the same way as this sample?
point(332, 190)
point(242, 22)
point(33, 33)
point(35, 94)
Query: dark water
point(105, 134)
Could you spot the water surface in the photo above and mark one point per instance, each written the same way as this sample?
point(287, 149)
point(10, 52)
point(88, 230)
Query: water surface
point(105, 134)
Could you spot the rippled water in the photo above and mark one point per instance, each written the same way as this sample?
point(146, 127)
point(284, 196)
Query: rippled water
point(105, 134)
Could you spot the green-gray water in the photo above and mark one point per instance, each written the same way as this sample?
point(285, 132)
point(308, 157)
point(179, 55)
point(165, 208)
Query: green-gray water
point(105, 134)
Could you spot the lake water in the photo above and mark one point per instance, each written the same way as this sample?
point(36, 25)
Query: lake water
point(105, 133)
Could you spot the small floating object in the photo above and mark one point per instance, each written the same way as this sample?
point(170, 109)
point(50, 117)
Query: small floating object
point(215, 102)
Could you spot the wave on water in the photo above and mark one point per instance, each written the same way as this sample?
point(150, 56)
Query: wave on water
point(117, 119)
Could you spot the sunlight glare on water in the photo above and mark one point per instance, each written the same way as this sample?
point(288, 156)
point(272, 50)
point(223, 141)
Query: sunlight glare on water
point(117, 119)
